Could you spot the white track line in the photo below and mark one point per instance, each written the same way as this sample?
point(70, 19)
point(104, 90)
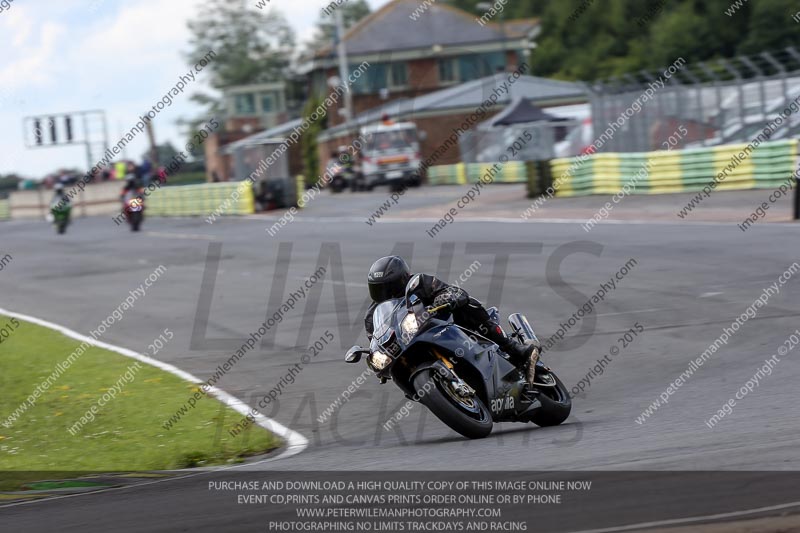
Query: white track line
point(191, 236)
point(517, 220)
point(295, 442)
point(693, 520)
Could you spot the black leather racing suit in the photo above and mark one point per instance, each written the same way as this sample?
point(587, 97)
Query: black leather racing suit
point(130, 186)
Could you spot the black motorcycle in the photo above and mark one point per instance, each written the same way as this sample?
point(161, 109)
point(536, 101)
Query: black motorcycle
point(340, 175)
point(461, 376)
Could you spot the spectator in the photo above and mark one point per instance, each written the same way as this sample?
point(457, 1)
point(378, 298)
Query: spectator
point(145, 172)
point(120, 170)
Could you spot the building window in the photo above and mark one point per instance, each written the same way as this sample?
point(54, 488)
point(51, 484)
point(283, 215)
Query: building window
point(492, 63)
point(399, 75)
point(381, 76)
point(447, 71)
point(469, 67)
point(268, 103)
point(372, 80)
point(245, 104)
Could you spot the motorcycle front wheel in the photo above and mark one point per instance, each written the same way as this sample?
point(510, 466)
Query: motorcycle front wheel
point(136, 220)
point(467, 416)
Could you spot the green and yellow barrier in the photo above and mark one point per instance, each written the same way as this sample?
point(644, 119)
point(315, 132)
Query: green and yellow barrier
point(662, 172)
point(464, 173)
point(231, 198)
point(5, 210)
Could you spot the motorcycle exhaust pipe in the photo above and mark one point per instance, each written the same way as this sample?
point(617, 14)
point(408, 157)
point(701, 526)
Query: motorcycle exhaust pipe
point(521, 327)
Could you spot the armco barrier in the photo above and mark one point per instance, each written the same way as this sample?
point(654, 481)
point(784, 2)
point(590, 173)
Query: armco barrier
point(229, 198)
point(104, 199)
point(95, 200)
point(463, 173)
point(768, 166)
point(5, 212)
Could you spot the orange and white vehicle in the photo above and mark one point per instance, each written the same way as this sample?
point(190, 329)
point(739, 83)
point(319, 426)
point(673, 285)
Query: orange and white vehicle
point(390, 155)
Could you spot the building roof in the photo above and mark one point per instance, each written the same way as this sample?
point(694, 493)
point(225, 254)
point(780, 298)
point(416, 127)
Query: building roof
point(466, 96)
point(470, 96)
point(402, 25)
point(517, 28)
point(274, 135)
point(254, 87)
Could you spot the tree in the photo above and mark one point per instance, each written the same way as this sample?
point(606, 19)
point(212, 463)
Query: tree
point(613, 37)
point(771, 26)
point(251, 45)
point(352, 12)
point(681, 32)
point(308, 141)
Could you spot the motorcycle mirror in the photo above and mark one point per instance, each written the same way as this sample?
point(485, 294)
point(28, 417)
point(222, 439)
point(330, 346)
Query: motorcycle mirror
point(354, 354)
point(411, 286)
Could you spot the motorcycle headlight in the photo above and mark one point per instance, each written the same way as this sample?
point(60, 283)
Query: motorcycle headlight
point(410, 326)
point(379, 360)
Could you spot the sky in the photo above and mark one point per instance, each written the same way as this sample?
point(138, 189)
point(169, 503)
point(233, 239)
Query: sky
point(118, 56)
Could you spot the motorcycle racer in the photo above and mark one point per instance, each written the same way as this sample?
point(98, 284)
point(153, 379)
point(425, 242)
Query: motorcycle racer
point(388, 278)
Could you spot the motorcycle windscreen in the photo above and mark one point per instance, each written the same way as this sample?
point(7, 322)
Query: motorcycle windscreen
point(385, 317)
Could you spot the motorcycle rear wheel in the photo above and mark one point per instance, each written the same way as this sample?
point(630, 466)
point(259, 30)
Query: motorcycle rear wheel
point(473, 422)
point(556, 405)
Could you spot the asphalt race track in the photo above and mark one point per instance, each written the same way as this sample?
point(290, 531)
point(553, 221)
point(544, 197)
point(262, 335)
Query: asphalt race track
point(688, 281)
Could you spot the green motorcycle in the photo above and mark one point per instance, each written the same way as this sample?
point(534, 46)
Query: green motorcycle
point(61, 212)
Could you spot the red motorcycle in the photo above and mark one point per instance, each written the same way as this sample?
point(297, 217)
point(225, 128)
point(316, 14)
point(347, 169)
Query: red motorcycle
point(133, 207)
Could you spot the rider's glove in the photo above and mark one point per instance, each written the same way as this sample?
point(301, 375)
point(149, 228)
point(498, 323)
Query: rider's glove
point(452, 296)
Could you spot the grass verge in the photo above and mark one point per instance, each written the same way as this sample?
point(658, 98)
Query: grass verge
point(126, 434)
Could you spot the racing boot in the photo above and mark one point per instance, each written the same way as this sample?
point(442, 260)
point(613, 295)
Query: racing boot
point(523, 356)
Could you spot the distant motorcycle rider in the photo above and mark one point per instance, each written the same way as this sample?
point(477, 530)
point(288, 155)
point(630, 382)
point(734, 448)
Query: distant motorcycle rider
point(132, 185)
point(388, 278)
point(59, 196)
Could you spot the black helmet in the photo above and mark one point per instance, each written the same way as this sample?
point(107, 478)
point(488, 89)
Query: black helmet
point(388, 278)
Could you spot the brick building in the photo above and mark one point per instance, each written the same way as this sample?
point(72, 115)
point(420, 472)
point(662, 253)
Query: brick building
point(434, 68)
point(412, 53)
point(441, 114)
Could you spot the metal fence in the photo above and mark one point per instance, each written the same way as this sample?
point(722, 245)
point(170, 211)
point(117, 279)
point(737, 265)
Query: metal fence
point(702, 104)
point(521, 142)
